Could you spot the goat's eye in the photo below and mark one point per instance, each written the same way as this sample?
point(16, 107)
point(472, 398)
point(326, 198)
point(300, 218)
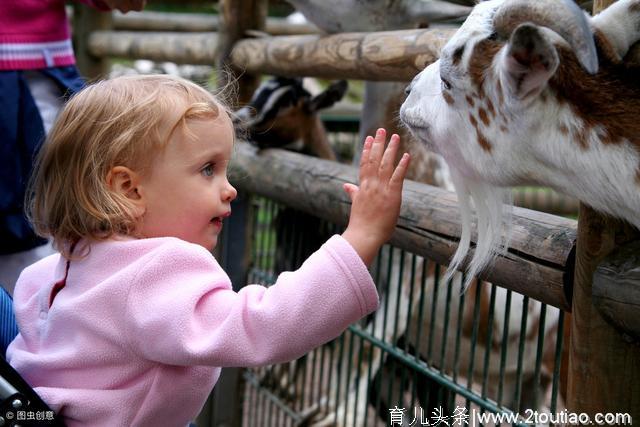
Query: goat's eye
point(445, 83)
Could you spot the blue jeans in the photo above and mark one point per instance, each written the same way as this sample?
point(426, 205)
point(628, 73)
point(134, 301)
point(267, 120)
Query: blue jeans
point(21, 135)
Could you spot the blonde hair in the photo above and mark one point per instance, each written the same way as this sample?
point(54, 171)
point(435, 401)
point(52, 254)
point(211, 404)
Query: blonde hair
point(124, 121)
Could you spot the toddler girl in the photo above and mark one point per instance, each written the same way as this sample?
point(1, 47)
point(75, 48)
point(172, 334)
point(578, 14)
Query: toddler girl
point(130, 324)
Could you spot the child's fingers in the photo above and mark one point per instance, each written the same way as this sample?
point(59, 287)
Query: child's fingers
point(350, 189)
point(366, 152)
point(377, 149)
point(389, 157)
point(401, 171)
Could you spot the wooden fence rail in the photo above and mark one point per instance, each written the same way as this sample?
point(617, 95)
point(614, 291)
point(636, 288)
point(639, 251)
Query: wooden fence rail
point(197, 22)
point(181, 48)
point(384, 55)
point(538, 262)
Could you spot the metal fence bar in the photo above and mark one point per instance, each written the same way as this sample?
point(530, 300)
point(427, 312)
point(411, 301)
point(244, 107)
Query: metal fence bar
point(540, 349)
point(474, 340)
point(270, 397)
point(523, 331)
point(503, 347)
point(424, 368)
point(557, 363)
point(456, 352)
point(487, 353)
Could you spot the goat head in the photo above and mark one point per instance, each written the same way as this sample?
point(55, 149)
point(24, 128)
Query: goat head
point(535, 93)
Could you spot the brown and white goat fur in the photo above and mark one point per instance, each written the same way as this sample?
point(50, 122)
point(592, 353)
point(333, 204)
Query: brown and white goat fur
point(534, 92)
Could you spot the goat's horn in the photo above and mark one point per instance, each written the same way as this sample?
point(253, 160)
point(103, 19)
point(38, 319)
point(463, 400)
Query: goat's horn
point(626, 15)
point(564, 17)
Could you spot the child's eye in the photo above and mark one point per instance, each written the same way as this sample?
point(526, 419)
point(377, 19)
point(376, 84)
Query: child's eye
point(207, 170)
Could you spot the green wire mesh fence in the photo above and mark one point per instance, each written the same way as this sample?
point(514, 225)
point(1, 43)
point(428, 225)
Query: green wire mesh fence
point(429, 354)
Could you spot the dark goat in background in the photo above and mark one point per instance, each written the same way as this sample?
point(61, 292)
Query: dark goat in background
point(282, 113)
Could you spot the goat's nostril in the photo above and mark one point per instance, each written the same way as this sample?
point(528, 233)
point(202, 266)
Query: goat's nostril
point(407, 90)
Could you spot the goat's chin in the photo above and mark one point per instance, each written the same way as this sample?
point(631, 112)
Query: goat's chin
point(420, 132)
point(493, 207)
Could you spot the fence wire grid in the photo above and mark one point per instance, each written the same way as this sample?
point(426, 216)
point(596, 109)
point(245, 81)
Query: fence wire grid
point(430, 355)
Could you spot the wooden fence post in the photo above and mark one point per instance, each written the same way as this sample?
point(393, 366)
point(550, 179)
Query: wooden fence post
point(604, 368)
point(238, 16)
point(85, 21)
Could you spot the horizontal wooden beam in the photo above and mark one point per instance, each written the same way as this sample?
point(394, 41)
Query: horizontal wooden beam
point(545, 201)
point(165, 21)
point(385, 56)
point(196, 22)
point(539, 257)
point(181, 48)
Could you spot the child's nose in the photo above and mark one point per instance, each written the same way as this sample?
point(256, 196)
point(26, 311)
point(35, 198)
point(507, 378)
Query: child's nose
point(230, 193)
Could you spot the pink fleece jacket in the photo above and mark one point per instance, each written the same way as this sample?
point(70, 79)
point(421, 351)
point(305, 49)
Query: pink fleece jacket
point(35, 33)
point(139, 333)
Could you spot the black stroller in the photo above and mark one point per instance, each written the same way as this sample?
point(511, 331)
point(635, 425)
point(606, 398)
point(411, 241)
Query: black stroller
point(19, 403)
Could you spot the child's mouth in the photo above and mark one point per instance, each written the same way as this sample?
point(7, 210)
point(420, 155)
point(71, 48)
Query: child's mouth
point(217, 220)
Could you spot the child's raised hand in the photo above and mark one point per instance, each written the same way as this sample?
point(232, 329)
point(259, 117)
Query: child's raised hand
point(376, 201)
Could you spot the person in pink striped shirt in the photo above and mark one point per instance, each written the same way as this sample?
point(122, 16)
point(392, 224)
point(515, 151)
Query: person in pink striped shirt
point(37, 71)
point(132, 322)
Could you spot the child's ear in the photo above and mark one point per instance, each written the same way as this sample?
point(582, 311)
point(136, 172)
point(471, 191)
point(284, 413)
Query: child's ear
point(124, 181)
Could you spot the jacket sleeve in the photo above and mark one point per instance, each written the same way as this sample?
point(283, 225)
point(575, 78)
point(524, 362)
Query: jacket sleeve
point(181, 309)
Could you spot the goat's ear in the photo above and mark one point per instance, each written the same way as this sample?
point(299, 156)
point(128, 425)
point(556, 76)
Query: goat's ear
point(242, 115)
point(529, 61)
point(330, 96)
